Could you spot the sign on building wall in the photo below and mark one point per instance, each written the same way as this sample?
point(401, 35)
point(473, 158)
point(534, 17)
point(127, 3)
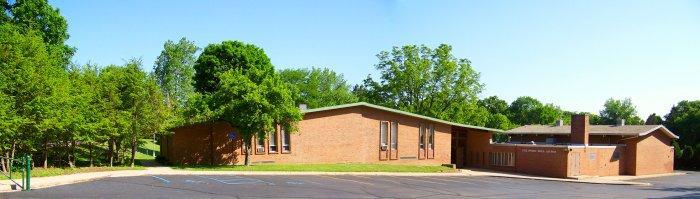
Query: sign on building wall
point(539, 151)
point(232, 135)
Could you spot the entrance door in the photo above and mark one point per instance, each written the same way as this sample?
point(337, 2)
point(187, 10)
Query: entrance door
point(575, 164)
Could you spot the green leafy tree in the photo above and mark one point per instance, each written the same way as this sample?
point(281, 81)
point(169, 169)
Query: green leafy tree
point(684, 120)
point(174, 70)
point(426, 81)
point(494, 105)
point(246, 84)
point(218, 58)
point(615, 110)
point(319, 87)
point(265, 105)
point(653, 119)
point(32, 74)
point(527, 110)
point(39, 18)
point(143, 101)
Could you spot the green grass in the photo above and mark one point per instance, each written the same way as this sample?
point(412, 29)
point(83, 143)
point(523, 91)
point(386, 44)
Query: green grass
point(41, 172)
point(325, 168)
point(150, 144)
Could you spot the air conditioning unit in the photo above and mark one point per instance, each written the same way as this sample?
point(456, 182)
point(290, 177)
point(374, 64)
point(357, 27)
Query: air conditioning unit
point(260, 150)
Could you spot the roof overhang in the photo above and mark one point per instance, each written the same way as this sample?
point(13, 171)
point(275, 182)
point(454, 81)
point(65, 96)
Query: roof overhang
point(365, 104)
point(663, 129)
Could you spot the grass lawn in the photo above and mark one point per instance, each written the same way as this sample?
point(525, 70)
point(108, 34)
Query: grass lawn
point(150, 145)
point(41, 172)
point(325, 168)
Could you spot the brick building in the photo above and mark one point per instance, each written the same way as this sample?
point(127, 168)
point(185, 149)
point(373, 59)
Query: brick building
point(350, 133)
point(366, 133)
point(588, 150)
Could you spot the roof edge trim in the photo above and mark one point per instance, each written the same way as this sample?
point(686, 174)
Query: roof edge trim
point(398, 112)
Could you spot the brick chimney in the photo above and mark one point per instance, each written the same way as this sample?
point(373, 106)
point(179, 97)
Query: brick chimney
point(579, 129)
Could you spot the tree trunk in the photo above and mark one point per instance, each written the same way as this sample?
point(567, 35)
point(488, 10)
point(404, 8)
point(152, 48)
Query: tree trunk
point(90, 149)
point(2, 162)
point(133, 151)
point(117, 148)
point(46, 154)
point(111, 152)
point(247, 152)
point(12, 154)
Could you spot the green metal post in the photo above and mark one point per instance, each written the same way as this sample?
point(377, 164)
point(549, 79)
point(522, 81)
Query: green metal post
point(28, 170)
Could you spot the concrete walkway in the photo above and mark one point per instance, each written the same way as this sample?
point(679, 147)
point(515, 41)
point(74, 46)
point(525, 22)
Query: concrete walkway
point(43, 182)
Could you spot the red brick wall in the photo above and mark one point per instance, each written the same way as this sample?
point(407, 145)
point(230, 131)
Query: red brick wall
point(542, 161)
point(579, 129)
point(599, 160)
point(349, 135)
point(477, 148)
point(193, 145)
point(652, 154)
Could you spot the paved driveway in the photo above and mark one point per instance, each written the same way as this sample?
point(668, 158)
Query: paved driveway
point(355, 186)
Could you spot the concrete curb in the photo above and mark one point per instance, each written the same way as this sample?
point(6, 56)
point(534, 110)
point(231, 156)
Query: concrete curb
point(574, 181)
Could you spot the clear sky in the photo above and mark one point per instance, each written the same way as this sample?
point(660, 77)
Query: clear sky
point(575, 54)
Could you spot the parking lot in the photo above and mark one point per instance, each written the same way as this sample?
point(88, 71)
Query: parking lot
point(358, 186)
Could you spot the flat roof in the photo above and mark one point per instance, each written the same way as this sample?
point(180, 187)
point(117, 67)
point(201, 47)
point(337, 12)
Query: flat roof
point(365, 104)
point(626, 130)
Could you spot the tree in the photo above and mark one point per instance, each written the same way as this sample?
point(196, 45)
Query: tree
point(33, 76)
point(38, 17)
point(653, 119)
point(174, 70)
point(248, 86)
point(265, 105)
point(684, 120)
point(527, 110)
point(143, 101)
point(426, 81)
point(218, 58)
point(494, 105)
point(318, 87)
point(615, 110)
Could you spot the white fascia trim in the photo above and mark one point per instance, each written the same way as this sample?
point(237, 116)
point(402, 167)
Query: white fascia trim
point(662, 127)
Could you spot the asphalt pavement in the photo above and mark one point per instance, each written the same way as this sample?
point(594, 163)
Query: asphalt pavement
point(359, 186)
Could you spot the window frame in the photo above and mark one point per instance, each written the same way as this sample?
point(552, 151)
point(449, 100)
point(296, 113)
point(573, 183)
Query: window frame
point(384, 135)
point(431, 137)
point(272, 146)
point(394, 136)
point(285, 137)
point(260, 144)
point(421, 137)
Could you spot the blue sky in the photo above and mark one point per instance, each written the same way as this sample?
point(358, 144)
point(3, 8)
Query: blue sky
point(575, 54)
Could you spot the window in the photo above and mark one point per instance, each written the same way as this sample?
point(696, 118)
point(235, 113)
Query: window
point(285, 140)
point(502, 159)
point(383, 130)
point(394, 135)
point(261, 145)
point(272, 142)
point(421, 137)
point(431, 137)
point(550, 140)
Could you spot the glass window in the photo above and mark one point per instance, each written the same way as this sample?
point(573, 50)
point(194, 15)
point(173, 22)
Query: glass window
point(383, 130)
point(394, 135)
point(261, 143)
point(431, 137)
point(285, 140)
point(421, 137)
point(273, 142)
